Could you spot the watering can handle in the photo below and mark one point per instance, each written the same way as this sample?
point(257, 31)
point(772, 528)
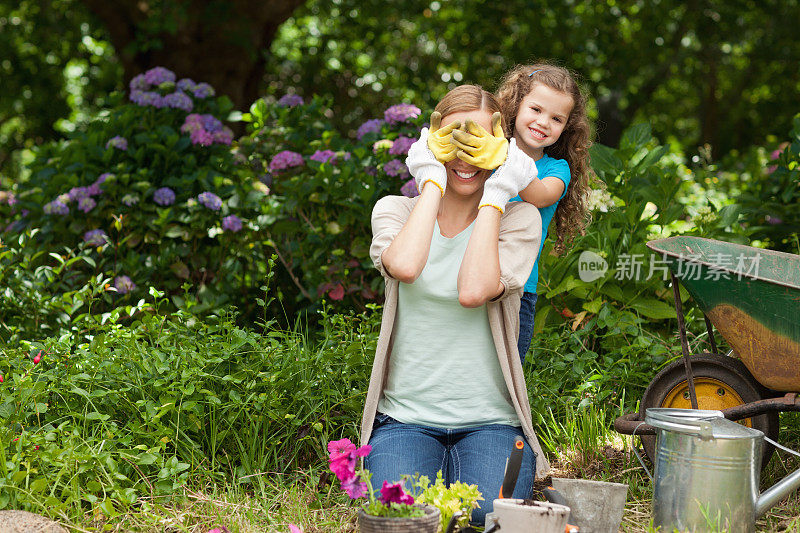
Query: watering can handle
point(701, 428)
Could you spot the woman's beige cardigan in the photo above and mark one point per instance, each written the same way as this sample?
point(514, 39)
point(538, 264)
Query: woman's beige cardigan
point(520, 235)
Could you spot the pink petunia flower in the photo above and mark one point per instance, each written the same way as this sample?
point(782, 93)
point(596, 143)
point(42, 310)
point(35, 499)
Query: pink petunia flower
point(394, 493)
point(344, 468)
point(354, 487)
point(340, 448)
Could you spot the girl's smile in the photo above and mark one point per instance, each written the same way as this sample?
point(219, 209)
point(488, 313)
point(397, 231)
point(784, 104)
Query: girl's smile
point(541, 119)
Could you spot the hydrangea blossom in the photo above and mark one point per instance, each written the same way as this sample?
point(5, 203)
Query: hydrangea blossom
point(95, 237)
point(210, 123)
point(56, 207)
point(290, 100)
point(210, 200)
point(186, 84)
point(409, 189)
point(179, 100)
point(138, 83)
point(103, 177)
point(232, 223)
point(383, 144)
point(324, 156)
point(118, 142)
point(396, 168)
point(164, 196)
point(203, 90)
point(130, 200)
point(401, 145)
point(285, 159)
point(8, 197)
point(147, 98)
point(206, 130)
point(78, 193)
point(401, 113)
point(370, 126)
point(124, 284)
point(86, 204)
point(159, 75)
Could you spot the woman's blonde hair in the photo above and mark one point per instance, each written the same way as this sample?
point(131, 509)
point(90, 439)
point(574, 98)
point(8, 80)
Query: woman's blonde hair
point(572, 214)
point(468, 98)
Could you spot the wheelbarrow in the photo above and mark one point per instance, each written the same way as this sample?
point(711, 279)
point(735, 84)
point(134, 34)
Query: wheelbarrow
point(752, 297)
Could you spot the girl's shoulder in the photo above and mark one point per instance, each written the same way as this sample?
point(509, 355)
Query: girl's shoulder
point(551, 163)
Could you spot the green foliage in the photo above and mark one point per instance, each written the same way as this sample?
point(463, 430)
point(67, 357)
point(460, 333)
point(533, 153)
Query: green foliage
point(459, 496)
point(700, 72)
point(144, 409)
point(597, 337)
point(57, 69)
point(319, 212)
point(37, 299)
point(770, 201)
point(393, 510)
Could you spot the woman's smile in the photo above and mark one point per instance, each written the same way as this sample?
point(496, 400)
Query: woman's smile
point(465, 176)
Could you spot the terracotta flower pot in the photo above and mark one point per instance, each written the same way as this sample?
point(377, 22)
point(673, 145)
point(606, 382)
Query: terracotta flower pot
point(382, 524)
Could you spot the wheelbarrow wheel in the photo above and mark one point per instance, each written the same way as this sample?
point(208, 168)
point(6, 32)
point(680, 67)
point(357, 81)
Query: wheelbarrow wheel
point(720, 382)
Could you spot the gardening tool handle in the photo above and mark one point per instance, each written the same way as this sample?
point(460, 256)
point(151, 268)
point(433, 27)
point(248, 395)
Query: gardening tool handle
point(512, 469)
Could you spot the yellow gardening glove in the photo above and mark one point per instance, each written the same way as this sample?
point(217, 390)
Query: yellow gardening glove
point(480, 148)
point(439, 138)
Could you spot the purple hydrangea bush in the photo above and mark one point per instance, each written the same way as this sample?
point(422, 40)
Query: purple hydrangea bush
point(150, 192)
point(323, 185)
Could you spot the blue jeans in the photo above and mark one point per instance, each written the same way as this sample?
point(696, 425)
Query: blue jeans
point(475, 455)
point(527, 309)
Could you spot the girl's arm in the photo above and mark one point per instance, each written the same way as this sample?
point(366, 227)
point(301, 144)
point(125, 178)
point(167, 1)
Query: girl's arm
point(406, 257)
point(543, 192)
point(479, 278)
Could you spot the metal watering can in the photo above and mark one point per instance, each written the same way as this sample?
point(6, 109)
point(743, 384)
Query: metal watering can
point(707, 471)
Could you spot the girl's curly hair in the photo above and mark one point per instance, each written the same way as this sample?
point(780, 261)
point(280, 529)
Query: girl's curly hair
point(572, 214)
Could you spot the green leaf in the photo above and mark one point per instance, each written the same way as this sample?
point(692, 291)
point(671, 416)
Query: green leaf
point(729, 214)
point(635, 137)
point(655, 309)
point(605, 160)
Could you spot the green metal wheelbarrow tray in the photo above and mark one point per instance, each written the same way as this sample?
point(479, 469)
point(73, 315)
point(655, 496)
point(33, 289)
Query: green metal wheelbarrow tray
point(752, 297)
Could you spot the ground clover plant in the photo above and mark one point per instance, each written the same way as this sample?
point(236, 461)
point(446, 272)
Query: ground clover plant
point(150, 194)
point(344, 460)
point(323, 186)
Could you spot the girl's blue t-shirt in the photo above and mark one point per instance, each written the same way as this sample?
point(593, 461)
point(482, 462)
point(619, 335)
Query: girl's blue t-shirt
point(546, 166)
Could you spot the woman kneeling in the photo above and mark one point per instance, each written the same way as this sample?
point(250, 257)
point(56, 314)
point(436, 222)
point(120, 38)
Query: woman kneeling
point(447, 390)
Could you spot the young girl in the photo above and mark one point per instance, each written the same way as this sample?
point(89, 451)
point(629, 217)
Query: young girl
point(545, 111)
point(447, 390)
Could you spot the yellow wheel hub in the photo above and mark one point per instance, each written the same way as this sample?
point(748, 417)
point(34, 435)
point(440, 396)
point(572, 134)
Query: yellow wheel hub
point(711, 394)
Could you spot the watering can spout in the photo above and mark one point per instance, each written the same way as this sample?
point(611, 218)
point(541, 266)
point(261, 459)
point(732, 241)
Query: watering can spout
point(777, 492)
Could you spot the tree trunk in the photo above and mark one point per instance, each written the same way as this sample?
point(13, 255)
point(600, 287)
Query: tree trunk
point(222, 42)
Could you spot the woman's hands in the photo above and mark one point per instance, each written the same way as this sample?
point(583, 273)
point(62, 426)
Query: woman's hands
point(505, 183)
point(480, 148)
point(423, 164)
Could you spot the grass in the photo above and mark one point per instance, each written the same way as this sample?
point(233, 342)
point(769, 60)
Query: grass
point(301, 499)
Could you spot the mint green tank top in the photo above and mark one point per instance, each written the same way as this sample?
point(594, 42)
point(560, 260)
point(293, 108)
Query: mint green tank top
point(443, 368)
